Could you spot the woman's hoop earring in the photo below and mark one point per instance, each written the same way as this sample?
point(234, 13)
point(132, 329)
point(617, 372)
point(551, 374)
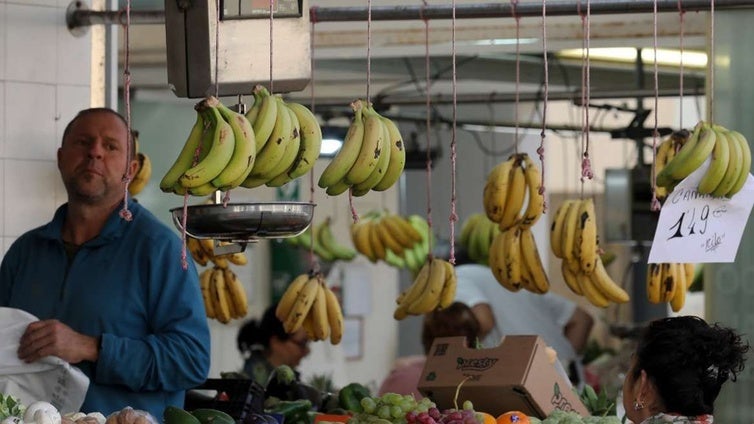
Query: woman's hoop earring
point(638, 405)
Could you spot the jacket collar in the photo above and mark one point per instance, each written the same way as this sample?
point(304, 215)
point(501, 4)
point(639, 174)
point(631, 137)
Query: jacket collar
point(113, 229)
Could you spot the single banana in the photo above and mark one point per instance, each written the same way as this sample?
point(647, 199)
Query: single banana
point(606, 285)
point(417, 288)
point(394, 260)
point(349, 151)
point(533, 263)
point(205, 280)
point(397, 157)
point(746, 168)
point(570, 278)
point(338, 188)
point(448, 294)
point(220, 262)
point(689, 271)
point(591, 292)
point(237, 293)
point(280, 171)
point(196, 250)
point(388, 238)
point(497, 263)
point(383, 160)
point(360, 237)
point(413, 262)
point(568, 237)
point(556, 229)
point(370, 148)
point(669, 282)
point(202, 190)
point(334, 316)
point(654, 282)
point(302, 305)
point(697, 156)
point(666, 178)
point(733, 168)
point(719, 171)
point(430, 297)
point(290, 295)
point(311, 141)
point(496, 190)
point(586, 244)
point(326, 238)
point(264, 117)
point(400, 230)
point(512, 259)
point(238, 258)
point(219, 295)
point(536, 204)
point(467, 229)
point(142, 176)
point(377, 247)
point(515, 198)
point(417, 228)
point(223, 143)
point(185, 158)
point(275, 148)
point(661, 156)
point(244, 151)
point(308, 326)
point(318, 311)
point(679, 297)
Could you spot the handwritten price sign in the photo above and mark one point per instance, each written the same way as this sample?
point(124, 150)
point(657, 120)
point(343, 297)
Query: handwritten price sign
point(699, 228)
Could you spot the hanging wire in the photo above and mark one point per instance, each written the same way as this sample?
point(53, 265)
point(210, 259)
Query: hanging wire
point(514, 3)
point(542, 135)
point(586, 166)
point(314, 264)
point(124, 212)
point(272, 21)
point(226, 197)
point(681, 14)
point(655, 204)
point(711, 61)
point(428, 123)
point(453, 215)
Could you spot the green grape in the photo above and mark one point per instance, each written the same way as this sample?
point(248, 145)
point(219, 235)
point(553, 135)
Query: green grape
point(368, 404)
point(383, 412)
point(396, 411)
point(407, 405)
point(468, 406)
point(421, 408)
point(392, 398)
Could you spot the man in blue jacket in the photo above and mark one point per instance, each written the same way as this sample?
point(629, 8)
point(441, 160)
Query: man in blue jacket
point(106, 281)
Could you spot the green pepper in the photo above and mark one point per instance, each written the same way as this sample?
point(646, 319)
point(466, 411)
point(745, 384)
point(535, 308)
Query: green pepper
point(350, 397)
point(292, 410)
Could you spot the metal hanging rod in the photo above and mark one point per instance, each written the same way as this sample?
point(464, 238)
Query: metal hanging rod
point(78, 15)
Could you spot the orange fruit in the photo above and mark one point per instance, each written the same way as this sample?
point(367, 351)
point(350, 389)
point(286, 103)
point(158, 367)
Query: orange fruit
point(486, 418)
point(513, 417)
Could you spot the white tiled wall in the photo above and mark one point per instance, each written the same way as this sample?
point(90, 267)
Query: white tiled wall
point(44, 81)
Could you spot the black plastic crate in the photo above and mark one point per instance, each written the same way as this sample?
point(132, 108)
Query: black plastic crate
point(244, 396)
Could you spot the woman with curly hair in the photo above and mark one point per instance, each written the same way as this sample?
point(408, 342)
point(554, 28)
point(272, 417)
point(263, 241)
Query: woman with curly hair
point(678, 369)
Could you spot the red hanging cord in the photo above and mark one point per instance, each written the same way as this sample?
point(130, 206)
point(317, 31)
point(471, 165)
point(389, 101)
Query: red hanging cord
point(453, 215)
point(542, 135)
point(681, 14)
point(514, 3)
point(428, 123)
point(313, 260)
point(272, 20)
point(711, 62)
point(655, 204)
point(124, 212)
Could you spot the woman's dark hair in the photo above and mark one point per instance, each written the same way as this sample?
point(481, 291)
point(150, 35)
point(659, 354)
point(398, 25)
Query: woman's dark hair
point(688, 361)
point(455, 320)
point(259, 332)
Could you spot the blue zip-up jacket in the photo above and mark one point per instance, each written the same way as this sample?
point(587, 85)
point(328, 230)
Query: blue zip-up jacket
point(126, 286)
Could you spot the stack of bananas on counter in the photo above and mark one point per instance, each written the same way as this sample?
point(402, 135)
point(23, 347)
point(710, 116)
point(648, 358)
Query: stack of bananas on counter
point(288, 139)
point(434, 287)
point(573, 238)
point(223, 294)
point(477, 234)
point(309, 304)
point(400, 242)
point(506, 190)
point(728, 151)
point(669, 282)
point(372, 156)
point(143, 172)
point(323, 244)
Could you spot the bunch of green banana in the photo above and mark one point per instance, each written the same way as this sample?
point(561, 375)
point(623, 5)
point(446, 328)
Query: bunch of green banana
point(310, 304)
point(372, 156)
point(288, 140)
point(477, 234)
point(143, 172)
point(729, 160)
point(218, 155)
point(400, 242)
point(669, 282)
point(573, 238)
point(323, 244)
point(434, 287)
point(505, 192)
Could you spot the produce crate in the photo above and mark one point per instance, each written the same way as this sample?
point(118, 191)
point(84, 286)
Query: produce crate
point(244, 396)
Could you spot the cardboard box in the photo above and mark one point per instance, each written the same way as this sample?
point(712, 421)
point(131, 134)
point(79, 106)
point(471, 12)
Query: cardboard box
point(515, 375)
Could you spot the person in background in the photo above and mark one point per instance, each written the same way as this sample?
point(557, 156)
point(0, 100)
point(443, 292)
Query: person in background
point(678, 369)
point(455, 320)
point(110, 293)
point(562, 324)
point(265, 345)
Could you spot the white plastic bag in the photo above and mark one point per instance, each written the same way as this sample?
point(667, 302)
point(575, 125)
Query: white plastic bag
point(50, 379)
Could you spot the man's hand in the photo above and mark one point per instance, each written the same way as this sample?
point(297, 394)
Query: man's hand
point(52, 337)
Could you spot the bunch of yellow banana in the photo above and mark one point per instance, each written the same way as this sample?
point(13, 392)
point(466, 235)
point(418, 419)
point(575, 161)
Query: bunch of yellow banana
point(218, 155)
point(309, 304)
point(143, 173)
point(434, 287)
point(669, 282)
point(323, 244)
point(515, 262)
point(573, 238)
point(288, 140)
point(224, 295)
point(372, 156)
point(477, 234)
point(665, 153)
point(203, 252)
point(506, 190)
point(400, 242)
point(730, 160)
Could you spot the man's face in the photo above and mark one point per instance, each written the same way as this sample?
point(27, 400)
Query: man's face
point(92, 159)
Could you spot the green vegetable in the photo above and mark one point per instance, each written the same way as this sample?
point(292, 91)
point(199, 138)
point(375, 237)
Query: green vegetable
point(294, 411)
point(350, 397)
point(10, 407)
